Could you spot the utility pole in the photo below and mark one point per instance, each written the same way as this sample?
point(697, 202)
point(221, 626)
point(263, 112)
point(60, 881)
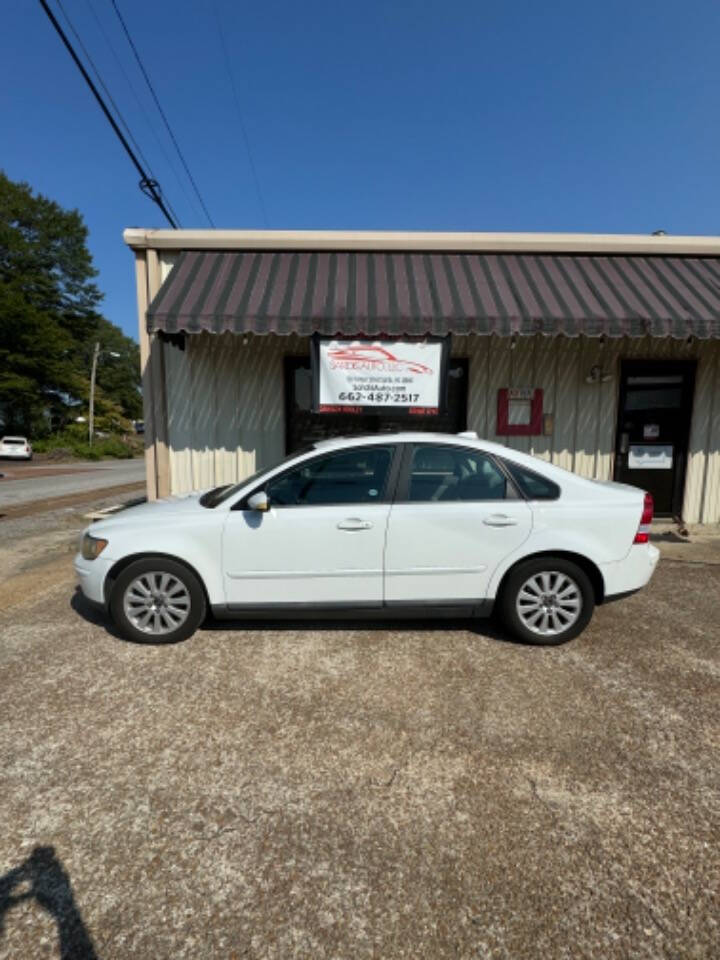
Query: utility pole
point(91, 415)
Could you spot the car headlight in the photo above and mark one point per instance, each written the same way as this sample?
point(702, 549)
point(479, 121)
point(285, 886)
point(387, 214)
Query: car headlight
point(92, 547)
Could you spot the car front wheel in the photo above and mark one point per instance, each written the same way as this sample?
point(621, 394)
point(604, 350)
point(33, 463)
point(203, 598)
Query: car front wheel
point(547, 600)
point(157, 600)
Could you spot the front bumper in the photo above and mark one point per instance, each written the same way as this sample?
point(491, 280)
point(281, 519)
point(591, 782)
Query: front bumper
point(91, 576)
point(632, 572)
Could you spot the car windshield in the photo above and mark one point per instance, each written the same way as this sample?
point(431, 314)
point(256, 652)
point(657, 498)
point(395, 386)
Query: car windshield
point(212, 498)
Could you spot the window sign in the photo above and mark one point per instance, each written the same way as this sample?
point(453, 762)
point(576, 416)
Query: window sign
point(360, 376)
point(519, 412)
point(644, 456)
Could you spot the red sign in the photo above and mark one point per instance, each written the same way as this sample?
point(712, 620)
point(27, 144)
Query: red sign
point(534, 426)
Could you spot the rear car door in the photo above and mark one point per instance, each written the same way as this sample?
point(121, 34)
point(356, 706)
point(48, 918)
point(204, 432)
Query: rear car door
point(322, 540)
point(455, 518)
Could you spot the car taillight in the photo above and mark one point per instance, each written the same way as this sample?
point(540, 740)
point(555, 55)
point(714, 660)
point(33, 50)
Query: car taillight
point(643, 532)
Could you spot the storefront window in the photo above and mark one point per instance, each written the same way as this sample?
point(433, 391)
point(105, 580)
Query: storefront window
point(303, 427)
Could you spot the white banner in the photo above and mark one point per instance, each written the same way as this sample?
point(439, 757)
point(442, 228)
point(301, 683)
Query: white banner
point(379, 373)
point(650, 457)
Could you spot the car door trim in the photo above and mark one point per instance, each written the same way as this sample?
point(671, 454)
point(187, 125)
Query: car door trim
point(402, 609)
point(419, 571)
point(302, 575)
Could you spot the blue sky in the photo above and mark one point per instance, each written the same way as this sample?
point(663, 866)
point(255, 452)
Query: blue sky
point(427, 115)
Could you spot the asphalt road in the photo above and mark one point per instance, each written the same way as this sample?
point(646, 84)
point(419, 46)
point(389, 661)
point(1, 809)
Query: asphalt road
point(28, 482)
point(356, 791)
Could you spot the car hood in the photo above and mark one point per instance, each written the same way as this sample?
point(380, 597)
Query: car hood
point(152, 511)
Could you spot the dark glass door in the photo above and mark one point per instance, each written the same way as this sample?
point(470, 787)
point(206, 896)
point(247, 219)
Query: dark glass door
point(303, 427)
point(653, 430)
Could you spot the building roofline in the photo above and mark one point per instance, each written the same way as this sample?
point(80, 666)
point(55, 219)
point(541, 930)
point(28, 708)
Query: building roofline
point(588, 243)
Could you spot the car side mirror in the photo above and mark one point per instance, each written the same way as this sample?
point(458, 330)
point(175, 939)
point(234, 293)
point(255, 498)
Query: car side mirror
point(259, 501)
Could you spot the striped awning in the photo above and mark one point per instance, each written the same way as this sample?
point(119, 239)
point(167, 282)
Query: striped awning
point(395, 293)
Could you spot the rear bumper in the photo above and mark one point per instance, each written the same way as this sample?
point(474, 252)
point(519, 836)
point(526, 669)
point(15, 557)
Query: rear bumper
point(632, 572)
point(7, 455)
point(91, 576)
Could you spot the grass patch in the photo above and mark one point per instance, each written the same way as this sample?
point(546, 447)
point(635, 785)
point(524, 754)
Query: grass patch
point(69, 445)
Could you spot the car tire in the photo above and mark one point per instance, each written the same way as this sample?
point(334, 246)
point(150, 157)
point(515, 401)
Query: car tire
point(157, 600)
point(546, 601)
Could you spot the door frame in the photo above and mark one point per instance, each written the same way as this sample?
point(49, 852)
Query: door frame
point(638, 366)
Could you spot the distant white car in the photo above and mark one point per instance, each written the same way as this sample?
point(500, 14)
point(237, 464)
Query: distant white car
point(16, 448)
point(395, 524)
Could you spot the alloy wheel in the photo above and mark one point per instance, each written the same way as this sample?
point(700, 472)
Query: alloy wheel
point(549, 603)
point(156, 603)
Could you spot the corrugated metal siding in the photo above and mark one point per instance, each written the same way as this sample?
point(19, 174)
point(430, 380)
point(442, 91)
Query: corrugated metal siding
point(702, 503)
point(226, 404)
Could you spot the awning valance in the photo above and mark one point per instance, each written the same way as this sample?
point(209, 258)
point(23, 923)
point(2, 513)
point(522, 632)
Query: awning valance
point(395, 293)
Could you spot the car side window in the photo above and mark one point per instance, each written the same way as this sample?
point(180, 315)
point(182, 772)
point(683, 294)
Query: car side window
point(441, 474)
point(531, 484)
point(357, 475)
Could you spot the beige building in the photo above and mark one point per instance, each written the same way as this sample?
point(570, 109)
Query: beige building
point(617, 338)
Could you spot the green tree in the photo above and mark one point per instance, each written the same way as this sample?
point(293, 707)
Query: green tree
point(50, 319)
point(119, 377)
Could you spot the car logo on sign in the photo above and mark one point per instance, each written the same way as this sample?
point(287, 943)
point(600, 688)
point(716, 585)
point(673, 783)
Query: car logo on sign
point(373, 358)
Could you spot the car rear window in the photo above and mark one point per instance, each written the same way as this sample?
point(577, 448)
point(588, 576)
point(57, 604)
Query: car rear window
point(14, 441)
point(532, 485)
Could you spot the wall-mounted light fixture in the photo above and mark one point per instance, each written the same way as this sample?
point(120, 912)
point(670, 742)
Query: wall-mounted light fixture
point(598, 375)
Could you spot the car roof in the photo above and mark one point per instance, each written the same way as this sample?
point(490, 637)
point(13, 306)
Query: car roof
point(467, 438)
point(13, 437)
point(404, 436)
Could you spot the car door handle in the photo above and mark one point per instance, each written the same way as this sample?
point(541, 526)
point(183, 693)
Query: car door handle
point(354, 523)
point(500, 520)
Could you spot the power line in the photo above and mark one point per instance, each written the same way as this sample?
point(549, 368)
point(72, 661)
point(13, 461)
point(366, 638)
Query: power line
point(161, 111)
point(241, 121)
point(110, 98)
point(148, 185)
point(141, 105)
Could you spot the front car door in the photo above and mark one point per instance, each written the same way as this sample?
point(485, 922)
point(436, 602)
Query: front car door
point(321, 541)
point(455, 518)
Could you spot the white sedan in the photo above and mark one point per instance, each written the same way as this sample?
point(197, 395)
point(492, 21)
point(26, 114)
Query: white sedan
point(16, 448)
point(407, 524)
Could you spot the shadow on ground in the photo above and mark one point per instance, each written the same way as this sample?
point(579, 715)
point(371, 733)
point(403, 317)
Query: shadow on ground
point(483, 627)
point(93, 615)
point(42, 878)
point(669, 536)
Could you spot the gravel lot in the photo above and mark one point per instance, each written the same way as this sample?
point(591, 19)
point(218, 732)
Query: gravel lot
point(353, 792)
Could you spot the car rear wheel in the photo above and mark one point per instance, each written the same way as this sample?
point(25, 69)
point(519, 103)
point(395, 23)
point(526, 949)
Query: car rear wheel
point(547, 601)
point(157, 600)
